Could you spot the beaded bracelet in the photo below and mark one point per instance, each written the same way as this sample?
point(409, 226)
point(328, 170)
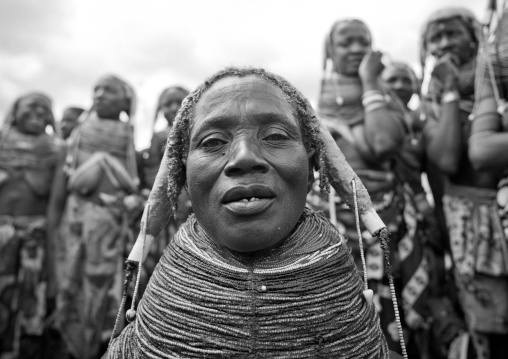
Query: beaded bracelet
point(375, 106)
point(372, 92)
point(367, 100)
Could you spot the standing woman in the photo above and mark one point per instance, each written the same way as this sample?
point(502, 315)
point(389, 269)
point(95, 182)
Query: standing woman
point(169, 102)
point(369, 129)
point(92, 204)
point(422, 247)
point(28, 157)
point(452, 37)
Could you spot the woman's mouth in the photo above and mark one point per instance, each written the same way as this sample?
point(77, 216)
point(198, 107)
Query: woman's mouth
point(249, 206)
point(248, 200)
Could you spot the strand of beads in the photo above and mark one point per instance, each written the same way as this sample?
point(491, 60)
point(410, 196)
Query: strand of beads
point(384, 237)
point(367, 293)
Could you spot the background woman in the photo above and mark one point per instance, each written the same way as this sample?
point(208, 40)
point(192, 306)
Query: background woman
point(452, 37)
point(369, 128)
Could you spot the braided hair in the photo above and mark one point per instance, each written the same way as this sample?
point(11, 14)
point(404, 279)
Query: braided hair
point(178, 141)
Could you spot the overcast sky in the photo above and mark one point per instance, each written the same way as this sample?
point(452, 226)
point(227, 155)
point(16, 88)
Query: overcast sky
point(62, 47)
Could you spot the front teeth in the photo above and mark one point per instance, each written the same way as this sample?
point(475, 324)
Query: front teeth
point(252, 199)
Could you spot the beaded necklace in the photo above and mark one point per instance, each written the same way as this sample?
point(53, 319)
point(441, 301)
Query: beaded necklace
point(19, 150)
point(302, 299)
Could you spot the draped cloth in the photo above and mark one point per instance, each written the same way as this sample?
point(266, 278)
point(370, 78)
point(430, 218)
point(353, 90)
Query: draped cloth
point(91, 275)
point(302, 299)
point(22, 282)
point(93, 235)
point(480, 253)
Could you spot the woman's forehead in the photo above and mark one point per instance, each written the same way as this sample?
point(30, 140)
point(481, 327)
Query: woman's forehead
point(445, 24)
point(235, 84)
point(349, 27)
point(112, 82)
point(34, 100)
point(237, 90)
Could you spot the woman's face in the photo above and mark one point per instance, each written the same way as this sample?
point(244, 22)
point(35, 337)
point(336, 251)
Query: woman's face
point(170, 103)
point(450, 37)
point(109, 99)
point(350, 42)
point(32, 115)
point(400, 81)
point(247, 168)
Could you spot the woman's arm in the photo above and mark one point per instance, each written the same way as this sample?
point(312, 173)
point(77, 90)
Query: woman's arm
point(383, 132)
point(488, 144)
point(444, 137)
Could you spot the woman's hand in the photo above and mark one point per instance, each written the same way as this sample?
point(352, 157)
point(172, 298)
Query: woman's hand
point(371, 66)
point(446, 71)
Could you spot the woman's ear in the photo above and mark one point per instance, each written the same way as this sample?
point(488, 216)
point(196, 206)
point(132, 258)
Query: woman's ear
point(311, 178)
point(184, 170)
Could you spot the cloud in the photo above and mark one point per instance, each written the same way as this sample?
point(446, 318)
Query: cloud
point(27, 28)
point(62, 46)
point(27, 25)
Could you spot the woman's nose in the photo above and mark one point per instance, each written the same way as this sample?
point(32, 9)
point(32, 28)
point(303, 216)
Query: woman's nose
point(357, 47)
point(398, 85)
point(98, 93)
point(245, 157)
point(444, 42)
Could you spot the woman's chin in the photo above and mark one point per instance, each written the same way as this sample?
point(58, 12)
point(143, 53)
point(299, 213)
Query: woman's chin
point(254, 240)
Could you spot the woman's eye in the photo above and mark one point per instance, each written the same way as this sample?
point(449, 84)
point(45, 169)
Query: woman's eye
point(213, 142)
point(276, 137)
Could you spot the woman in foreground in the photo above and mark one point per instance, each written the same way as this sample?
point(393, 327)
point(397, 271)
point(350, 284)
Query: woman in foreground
point(254, 273)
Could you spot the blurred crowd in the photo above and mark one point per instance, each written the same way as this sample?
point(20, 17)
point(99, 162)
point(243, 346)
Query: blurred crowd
point(71, 199)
